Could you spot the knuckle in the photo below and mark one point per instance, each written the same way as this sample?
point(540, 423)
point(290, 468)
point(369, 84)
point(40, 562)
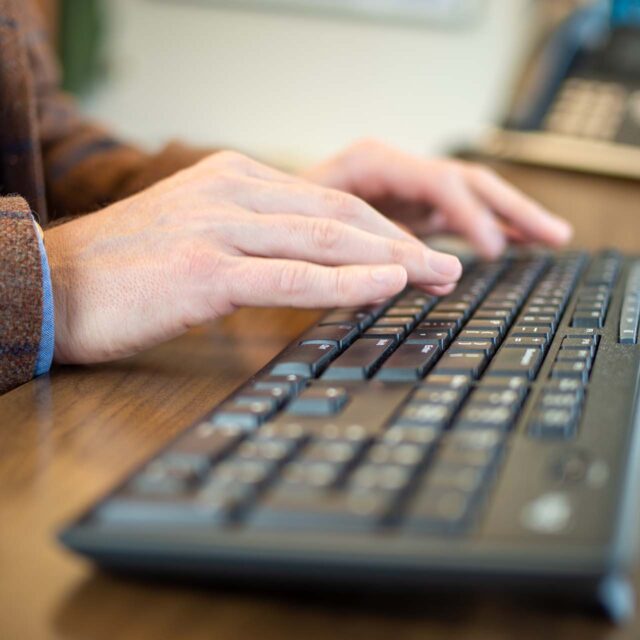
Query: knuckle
point(230, 159)
point(482, 174)
point(198, 264)
point(293, 280)
point(341, 284)
point(367, 145)
point(397, 251)
point(344, 206)
point(325, 234)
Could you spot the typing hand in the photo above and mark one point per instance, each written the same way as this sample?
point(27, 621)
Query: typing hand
point(225, 233)
point(441, 195)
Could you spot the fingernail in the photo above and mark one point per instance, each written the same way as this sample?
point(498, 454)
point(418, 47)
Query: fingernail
point(446, 265)
point(389, 275)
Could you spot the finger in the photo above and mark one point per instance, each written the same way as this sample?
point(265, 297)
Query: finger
point(527, 215)
point(440, 290)
point(330, 242)
point(270, 282)
point(310, 200)
point(468, 216)
point(389, 172)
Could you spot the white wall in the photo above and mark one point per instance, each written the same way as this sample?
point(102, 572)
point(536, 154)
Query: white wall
point(294, 88)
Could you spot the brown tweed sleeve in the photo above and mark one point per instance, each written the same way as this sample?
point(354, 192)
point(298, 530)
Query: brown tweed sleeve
point(86, 167)
point(20, 293)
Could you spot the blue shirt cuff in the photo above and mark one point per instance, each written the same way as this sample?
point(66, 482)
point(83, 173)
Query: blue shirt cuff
point(45, 350)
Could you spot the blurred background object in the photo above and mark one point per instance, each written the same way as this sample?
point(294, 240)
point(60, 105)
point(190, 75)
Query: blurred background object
point(293, 87)
point(79, 42)
point(577, 104)
point(440, 11)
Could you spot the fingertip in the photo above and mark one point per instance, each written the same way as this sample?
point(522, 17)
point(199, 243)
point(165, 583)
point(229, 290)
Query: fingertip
point(564, 231)
point(445, 265)
point(440, 290)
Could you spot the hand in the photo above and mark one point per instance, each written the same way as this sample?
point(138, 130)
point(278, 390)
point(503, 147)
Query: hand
point(226, 232)
point(439, 195)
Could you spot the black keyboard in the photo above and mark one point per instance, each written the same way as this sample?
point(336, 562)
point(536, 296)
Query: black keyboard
point(487, 434)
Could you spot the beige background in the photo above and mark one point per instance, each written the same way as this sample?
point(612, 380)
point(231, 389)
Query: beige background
point(293, 88)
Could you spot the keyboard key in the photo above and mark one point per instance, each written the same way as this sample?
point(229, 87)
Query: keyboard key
point(396, 333)
point(311, 509)
point(405, 454)
point(553, 423)
point(574, 355)
point(480, 334)
point(403, 311)
point(565, 385)
point(430, 336)
point(426, 414)
point(360, 360)
point(405, 433)
point(406, 322)
point(337, 452)
point(498, 398)
point(438, 510)
point(516, 362)
point(577, 370)
point(498, 325)
point(276, 396)
point(535, 342)
point(455, 317)
point(306, 360)
point(467, 363)
point(592, 319)
point(409, 362)
point(248, 416)
point(580, 343)
point(204, 444)
point(537, 321)
point(518, 383)
point(483, 416)
point(436, 325)
point(339, 334)
point(471, 346)
point(261, 448)
point(318, 474)
point(448, 396)
point(527, 331)
point(358, 317)
point(558, 400)
point(168, 475)
point(493, 314)
point(444, 381)
point(319, 401)
point(446, 475)
point(380, 477)
point(290, 383)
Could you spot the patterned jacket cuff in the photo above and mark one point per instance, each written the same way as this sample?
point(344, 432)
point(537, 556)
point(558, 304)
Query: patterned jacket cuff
point(45, 350)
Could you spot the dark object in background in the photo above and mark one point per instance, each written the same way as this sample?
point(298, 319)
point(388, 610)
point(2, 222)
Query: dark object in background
point(578, 105)
point(81, 25)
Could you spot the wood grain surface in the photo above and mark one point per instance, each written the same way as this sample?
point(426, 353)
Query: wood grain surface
point(68, 437)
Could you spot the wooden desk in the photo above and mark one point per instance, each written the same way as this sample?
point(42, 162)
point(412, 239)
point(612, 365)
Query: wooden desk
point(66, 439)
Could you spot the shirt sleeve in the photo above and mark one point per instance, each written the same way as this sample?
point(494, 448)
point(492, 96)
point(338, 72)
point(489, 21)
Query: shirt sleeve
point(21, 293)
point(44, 358)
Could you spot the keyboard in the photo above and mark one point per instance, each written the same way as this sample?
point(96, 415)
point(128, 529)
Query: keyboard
point(487, 437)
